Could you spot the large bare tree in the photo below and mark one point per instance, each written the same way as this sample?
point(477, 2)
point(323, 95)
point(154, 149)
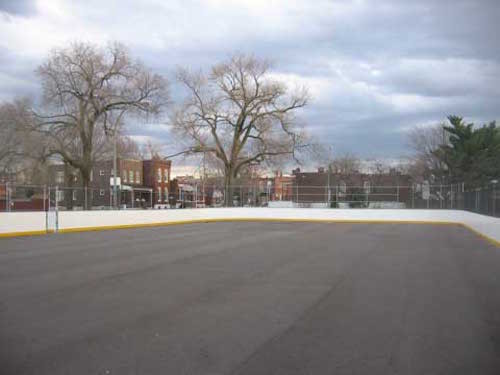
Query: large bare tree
point(239, 114)
point(87, 91)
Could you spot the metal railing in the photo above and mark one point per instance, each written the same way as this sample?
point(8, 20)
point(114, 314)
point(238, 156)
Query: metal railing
point(15, 197)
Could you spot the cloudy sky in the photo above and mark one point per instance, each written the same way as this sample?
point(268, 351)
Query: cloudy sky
point(374, 68)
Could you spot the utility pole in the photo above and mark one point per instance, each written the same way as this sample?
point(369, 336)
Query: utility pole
point(112, 130)
point(204, 177)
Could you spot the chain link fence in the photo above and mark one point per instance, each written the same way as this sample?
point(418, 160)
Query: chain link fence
point(14, 197)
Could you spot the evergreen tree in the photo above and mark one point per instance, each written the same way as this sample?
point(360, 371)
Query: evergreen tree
point(472, 154)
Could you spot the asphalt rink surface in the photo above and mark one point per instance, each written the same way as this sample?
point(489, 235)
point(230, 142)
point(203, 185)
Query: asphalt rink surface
point(251, 298)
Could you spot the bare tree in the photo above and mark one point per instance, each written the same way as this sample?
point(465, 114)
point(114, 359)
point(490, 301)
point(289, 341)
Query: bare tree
point(152, 149)
point(21, 149)
point(12, 117)
point(87, 90)
point(240, 115)
point(426, 163)
point(346, 164)
point(128, 148)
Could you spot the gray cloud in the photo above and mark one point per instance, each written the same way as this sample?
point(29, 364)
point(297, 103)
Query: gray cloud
point(17, 7)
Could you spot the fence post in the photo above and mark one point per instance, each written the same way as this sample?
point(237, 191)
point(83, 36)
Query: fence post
point(412, 195)
point(56, 229)
point(47, 212)
point(7, 200)
point(476, 200)
point(451, 196)
point(85, 197)
point(441, 196)
point(463, 195)
point(494, 199)
point(44, 195)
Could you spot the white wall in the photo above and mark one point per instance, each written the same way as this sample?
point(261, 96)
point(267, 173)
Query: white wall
point(22, 222)
point(35, 221)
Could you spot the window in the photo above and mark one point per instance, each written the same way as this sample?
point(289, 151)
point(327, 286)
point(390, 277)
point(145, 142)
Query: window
point(159, 194)
point(159, 174)
point(124, 175)
point(366, 187)
point(59, 195)
point(101, 172)
point(165, 175)
point(102, 192)
point(91, 175)
point(131, 177)
point(343, 187)
point(74, 195)
point(60, 177)
point(137, 177)
point(166, 194)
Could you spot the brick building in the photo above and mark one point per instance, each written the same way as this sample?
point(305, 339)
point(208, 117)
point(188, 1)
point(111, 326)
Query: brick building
point(282, 187)
point(157, 177)
point(139, 183)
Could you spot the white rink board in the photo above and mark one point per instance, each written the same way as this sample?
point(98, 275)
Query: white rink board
point(11, 222)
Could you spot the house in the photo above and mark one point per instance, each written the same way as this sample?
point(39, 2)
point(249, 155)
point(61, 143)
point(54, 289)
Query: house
point(182, 195)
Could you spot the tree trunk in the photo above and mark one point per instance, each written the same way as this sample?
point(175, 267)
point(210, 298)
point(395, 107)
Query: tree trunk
point(87, 190)
point(229, 178)
point(228, 188)
point(68, 188)
point(86, 170)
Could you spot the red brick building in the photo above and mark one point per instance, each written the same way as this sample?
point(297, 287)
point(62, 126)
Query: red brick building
point(157, 177)
point(133, 192)
point(283, 187)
